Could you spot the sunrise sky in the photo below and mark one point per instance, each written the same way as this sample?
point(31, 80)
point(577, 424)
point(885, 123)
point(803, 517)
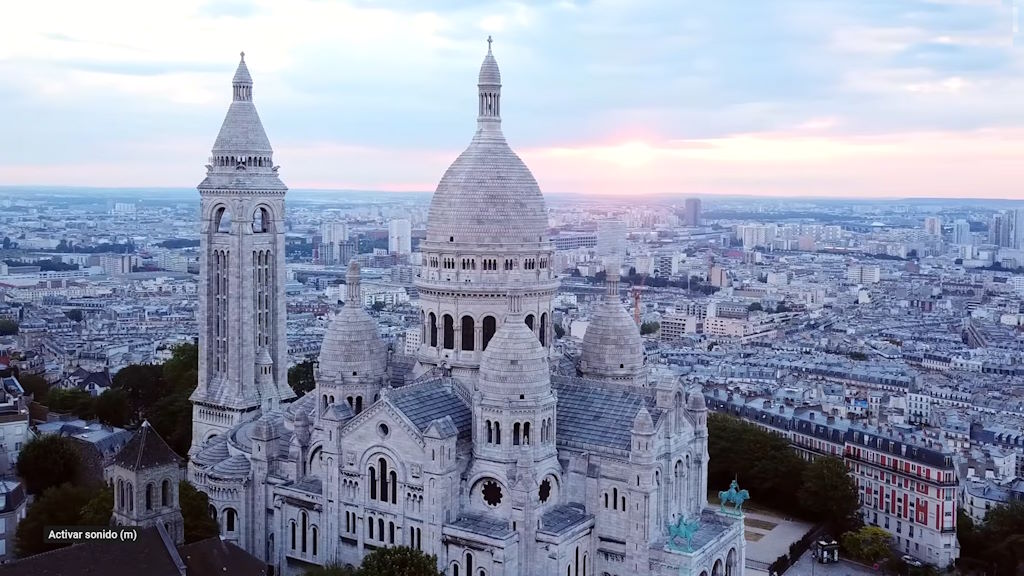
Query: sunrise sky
point(776, 97)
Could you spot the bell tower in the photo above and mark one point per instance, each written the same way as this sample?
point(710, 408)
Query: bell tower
point(242, 345)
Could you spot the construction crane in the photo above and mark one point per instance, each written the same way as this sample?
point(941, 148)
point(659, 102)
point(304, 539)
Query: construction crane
point(638, 289)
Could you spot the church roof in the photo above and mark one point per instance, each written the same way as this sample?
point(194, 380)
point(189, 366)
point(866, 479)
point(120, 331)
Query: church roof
point(483, 524)
point(433, 400)
point(592, 413)
point(488, 196)
point(216, 450)
point(242, 132)
point(565, 517)
point(145, 450)
point(237, 466)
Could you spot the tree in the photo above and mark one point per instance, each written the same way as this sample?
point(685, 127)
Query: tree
point(112, 408)
point(73, 400)
point(378, 306)
point(763, 462)
point(649, 328)
point(64, 505)
point(868, 544)
point(857, 355)
point(8, 328)
point(74, 315)
point(171, 417)
point(182, 370)
point(755, 307)
point(195, 511)
point(399, 560)
point(829, 495)
point(35, 385)
point(97, 511)
point(559, 331)
point(1000, 537)
point(143, 385)
point(7, 242)
point(300, 377)
point(47, 461)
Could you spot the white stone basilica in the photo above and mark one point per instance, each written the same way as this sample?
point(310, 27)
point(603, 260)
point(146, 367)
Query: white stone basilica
point(493, 457)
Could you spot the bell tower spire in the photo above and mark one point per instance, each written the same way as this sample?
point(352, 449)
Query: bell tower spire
point(243, 354)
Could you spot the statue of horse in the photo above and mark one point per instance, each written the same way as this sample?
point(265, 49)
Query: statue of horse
point(685, 530)
point(735, 496)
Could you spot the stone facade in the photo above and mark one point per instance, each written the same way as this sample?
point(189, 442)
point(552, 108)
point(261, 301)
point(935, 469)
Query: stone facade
point(486, 458)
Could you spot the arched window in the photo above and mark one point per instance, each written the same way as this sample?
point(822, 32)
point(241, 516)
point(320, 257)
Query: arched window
point(120, 494)
point(394, 487)
point(131, 498)
point(383, 465)
point(433, 330)
point(515, 434)
point(497, 432)
point(314, 540)
point(369, 527)
point(359, 404)
point(391, 532)
point(293, 534)
point(468, 333)
point(373, 483)
point(615, 498)
point(222, 220)
point(529, 321)
point(490, 433)
point(543, 329)
point(455, 569)
point(469, 564)
point(449, 331)
point(490, 326)
point(305, 527)
point(149, 496)
point(380, 529)
point(229, 519)
point(605, 499)
point(526, 433)
point(261, 221)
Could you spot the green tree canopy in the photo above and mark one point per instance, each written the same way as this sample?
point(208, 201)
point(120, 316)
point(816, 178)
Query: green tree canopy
point(378, 306)
point(35, 385)
point(1000, 538)
point(829, 495)
point(763, 462)
point(74, 315)
point(868, 544)
point(195, 511)
point(399, 560)
point(143, 385)
point(300, 377)
point(47, 461)
point(64, 505)
point(649, 328)
point(755, 307)
point(73, 400)
point(112, 408)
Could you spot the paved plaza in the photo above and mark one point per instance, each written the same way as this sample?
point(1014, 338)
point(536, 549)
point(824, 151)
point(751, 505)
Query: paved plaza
point(769, 537)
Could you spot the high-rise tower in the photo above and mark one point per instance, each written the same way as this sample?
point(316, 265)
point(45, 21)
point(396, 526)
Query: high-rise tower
point(242, 346)
point(486, 235)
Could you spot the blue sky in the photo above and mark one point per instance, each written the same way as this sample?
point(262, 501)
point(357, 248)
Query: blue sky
point(793, 97)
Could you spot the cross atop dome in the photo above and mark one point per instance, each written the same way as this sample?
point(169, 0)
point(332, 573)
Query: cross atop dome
point(488, 45)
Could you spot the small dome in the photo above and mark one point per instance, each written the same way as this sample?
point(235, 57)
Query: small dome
point(612, 347)
point(515, 362)
point(489, 73)
point(237, 466)
point(216, 450)
point(352, 346)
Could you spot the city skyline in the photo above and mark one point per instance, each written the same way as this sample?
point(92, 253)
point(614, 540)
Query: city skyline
point(793, 99)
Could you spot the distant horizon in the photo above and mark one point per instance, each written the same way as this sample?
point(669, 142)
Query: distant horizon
point(42, 188)
point(788, 98)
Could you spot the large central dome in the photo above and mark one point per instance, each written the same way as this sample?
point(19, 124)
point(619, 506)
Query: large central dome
point(488, 196)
